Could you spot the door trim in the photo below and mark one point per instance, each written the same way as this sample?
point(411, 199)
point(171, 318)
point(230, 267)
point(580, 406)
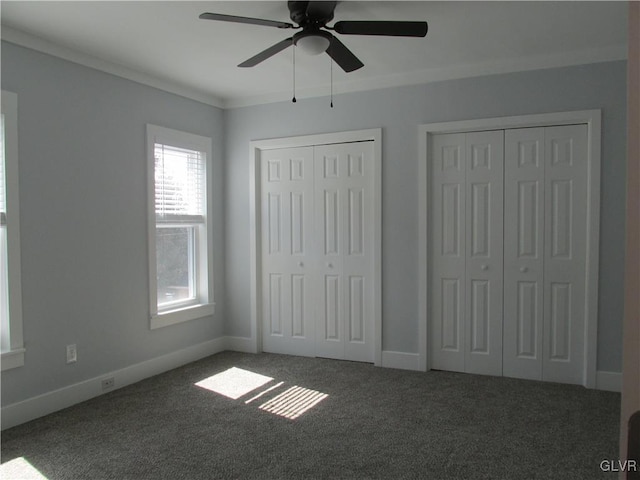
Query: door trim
point(593, 119)
point(257, 146)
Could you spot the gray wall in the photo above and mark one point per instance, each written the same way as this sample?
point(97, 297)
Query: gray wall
point(399, 111)
point(84, 219)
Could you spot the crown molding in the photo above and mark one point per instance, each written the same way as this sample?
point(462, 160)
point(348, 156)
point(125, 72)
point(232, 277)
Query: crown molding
point(39, 44)
point(511, 65)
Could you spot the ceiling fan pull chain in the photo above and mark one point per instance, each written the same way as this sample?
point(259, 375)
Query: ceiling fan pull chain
point(294, 72)
point(331, 82)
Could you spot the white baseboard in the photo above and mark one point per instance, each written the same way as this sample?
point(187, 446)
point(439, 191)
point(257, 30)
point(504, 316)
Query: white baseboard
point(610, 381)
point(240, 344)
point(50, 402)
point(401, 360)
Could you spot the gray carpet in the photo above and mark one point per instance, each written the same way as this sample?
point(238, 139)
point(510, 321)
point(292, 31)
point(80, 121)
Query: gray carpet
point(374, 423)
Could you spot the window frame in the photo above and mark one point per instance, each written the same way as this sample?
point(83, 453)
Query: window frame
point(203, 305)
point(14, 357)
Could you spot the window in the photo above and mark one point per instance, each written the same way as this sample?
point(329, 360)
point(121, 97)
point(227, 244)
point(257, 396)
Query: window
point(179, 251)
point(11, 346)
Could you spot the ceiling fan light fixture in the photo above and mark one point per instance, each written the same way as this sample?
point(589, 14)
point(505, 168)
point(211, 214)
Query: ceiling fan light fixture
point(313, 43)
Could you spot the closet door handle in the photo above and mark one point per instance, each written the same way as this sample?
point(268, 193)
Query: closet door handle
point(300, 264)
point(523, 269)
point(484, 268)
point(329, 264)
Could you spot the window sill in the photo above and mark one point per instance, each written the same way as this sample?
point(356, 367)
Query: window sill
point(12, 359)
point(180, 315)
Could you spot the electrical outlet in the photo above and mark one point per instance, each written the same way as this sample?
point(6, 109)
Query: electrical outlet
point(72, 353)
point(108, 383)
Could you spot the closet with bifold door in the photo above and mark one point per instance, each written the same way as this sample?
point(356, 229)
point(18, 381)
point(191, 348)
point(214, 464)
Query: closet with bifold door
point(508, 216)
point(317, 254)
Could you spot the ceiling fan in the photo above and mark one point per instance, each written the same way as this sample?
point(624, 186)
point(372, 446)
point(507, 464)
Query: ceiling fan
point(314, 38)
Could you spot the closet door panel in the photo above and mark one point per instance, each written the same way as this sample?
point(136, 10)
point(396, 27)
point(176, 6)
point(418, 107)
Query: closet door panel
point(287, 250)
point(329, 224)
point(357, 259)
point(345, 226)
point(448, 252)
point(524, 193)
point(565, 253)
point(484, 235)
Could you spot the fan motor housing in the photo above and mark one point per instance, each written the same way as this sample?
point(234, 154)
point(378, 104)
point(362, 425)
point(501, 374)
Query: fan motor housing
point(299, 14)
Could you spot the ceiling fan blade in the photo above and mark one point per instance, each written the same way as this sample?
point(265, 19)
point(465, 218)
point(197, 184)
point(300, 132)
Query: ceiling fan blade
point(248, 20)
point(389, 28)
point(321, 10)
point(269, 52)
point(343, 56)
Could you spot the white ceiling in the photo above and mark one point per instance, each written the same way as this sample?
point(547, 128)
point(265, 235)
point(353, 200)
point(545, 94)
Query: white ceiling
point(165, 44)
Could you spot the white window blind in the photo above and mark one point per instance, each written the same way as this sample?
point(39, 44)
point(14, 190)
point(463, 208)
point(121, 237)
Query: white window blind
point(180, 184)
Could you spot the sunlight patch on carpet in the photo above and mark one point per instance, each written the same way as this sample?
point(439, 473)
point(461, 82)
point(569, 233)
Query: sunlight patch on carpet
point(293, 402)
point(20, 468)
point(234, 383)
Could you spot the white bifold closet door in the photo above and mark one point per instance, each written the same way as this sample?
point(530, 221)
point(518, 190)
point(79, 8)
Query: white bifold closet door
point(545, 253)
point(288, 257)
point(317, 251)
point(344, 231)
point(524, 253)
point(466, 278)
point(509, 252)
